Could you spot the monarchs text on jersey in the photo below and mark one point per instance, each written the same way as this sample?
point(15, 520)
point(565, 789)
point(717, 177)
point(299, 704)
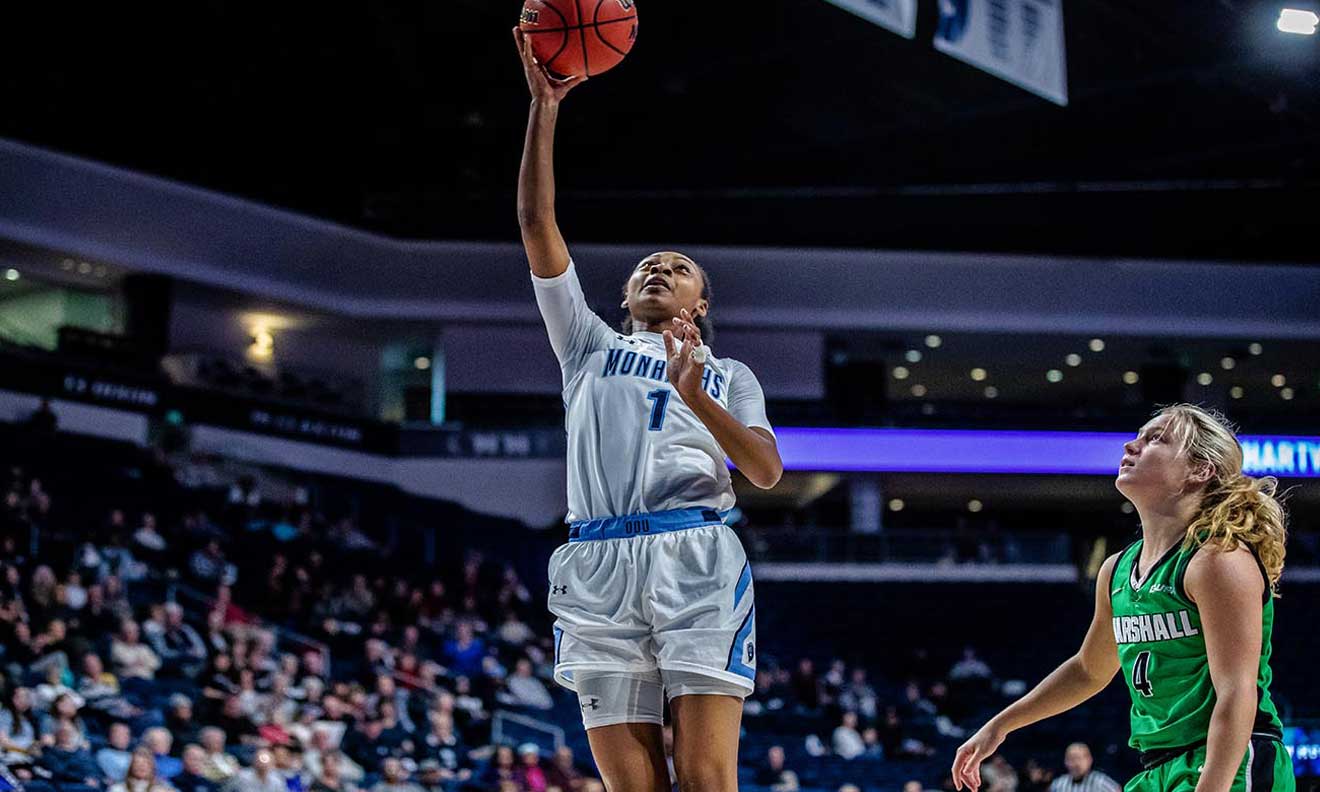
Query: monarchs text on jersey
point(634, 446)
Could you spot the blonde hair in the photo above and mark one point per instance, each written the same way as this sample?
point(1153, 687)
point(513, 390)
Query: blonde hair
point(1236, 509)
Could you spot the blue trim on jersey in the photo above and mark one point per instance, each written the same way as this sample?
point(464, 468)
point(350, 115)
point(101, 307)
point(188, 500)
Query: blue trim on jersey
point(559, 639)
point(744, 580)
point(736, 664)
point(642, 524)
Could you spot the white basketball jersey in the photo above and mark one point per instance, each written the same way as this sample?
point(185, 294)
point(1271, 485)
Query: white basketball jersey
point(634, 446)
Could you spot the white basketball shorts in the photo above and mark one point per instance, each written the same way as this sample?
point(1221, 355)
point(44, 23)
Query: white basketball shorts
point(668, 591)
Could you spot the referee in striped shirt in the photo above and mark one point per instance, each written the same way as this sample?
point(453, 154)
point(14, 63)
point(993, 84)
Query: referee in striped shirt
point(1080, 777)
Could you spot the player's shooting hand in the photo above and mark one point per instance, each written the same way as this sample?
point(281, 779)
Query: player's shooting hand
point(544, 88)
point(684, 373)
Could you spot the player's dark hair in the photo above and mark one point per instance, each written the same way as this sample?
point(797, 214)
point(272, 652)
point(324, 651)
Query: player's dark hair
point(702, 322)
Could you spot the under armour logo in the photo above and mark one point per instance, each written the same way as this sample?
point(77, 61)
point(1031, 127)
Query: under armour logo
point(751, 651)
point(593, 704)
point(559, 589)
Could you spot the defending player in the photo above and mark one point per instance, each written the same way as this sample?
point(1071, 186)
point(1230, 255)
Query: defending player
point(652, 594)
point(1186, 612)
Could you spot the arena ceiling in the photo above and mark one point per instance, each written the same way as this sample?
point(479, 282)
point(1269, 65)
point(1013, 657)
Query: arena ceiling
point(1193, 128)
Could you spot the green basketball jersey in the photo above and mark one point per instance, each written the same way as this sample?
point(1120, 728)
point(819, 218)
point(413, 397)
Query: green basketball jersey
point(1161, 650)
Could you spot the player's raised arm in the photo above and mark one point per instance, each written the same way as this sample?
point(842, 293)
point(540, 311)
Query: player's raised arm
point(1078, 679)
point(546, 252)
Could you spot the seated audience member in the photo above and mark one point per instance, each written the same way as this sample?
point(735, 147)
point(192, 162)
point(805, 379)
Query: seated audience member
point(323, 747)
point(525, 690)
point(193, 778)
point(141, 775)
point(503, 769)
point(217, 765)
point(260, 777)
point(774, 774)
point(20, 732)
point(394, 778)
point(329, 778)
point(160, 741)
point(531, 775)
point(132, 659)
point(69, 762)
point(113, 759)
point(563, 773)
point(847, 741)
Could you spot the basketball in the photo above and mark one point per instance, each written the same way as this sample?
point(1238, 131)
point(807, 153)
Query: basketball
point(572, 38)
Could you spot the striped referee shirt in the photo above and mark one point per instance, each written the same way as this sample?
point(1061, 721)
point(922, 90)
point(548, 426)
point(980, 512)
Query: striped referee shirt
point(1094, 781)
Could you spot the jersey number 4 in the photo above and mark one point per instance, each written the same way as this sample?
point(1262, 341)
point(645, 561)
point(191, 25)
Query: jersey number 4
point(659, 404)
point(1141, 675)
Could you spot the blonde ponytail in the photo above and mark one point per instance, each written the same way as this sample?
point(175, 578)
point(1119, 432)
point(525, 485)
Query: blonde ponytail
point(1236, 509)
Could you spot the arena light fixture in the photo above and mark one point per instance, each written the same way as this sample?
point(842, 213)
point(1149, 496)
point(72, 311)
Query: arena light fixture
point(918, 390)
point(897, 505)
point(933, 341)
point(1278, 380)
point(1298, 21)
point(1255, 348)
point(979, 374)
point(1203, 379)
point(991, 392)
point(912, 356)
point(12, 275)
point(1227, 363)
point(1236, 392)
point(1097, 345)
point(422, 363)
point(263, 344)
point(901, 372)
point(1131, 377)
point(1286, 394)
point(1054, 375)
point(974, 506)
point(1074, 360)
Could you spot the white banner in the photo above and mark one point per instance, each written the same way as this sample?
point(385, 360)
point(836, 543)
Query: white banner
point(1018, 40)
point(900, 16)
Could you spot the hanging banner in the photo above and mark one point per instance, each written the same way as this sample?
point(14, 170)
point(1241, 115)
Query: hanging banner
point(900, 16)
point(1017, 40)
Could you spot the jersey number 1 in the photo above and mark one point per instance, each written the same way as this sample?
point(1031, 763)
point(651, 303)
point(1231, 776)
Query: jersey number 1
point(659, 403)
point(1141, 675)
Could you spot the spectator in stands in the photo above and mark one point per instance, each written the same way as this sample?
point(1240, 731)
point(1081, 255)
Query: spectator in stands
point(514, 631)
point(525, 690)
point(179, 720)
point(502, 769)
point(43, 421)
point(913, 786)
point(180, 649)
point(1081, 777)
point(44, 695)
point(114, 758)
point(260, 777)
point(858, 695)
point(321, 748)
point(774, 774)
point(141, 775)
point(330, 778)
point(160, 741)
point(148, 544)
point(998, 775)
point(218, 765)
point(564, 774)
point(69, 762)
point(193, 777)
point(850, 788)
point(132, 659)
point(531, 776)
point(1036, 777)
point(806, 686)
point(847, 741)
point(464, 652)
point(100, 689)
point(394, 778)
point(63, 711)
point(970, 666)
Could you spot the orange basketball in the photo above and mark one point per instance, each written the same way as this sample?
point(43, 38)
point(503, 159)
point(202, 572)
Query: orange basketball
point(576, 37)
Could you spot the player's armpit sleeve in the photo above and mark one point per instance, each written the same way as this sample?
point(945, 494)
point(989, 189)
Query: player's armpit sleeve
point(574, 330)
point(746, 399)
